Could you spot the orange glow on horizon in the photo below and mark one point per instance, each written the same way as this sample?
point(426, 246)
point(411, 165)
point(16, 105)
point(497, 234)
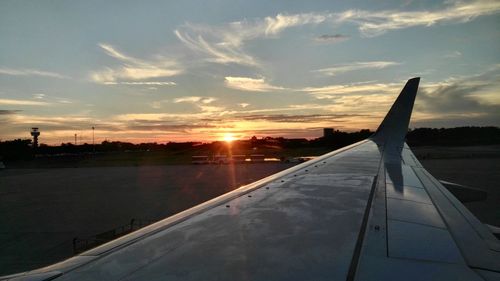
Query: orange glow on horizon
point(228, 137)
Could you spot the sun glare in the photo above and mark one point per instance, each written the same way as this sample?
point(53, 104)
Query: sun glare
point(228, 137)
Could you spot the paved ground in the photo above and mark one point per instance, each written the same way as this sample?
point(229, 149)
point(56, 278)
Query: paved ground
point(478, 173)
point(43, 209)
point(474, 166)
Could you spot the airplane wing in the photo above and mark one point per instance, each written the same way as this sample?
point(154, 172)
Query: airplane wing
point(368, 211)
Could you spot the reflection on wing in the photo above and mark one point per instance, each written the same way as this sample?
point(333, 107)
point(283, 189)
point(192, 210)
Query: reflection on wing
point(369, 211)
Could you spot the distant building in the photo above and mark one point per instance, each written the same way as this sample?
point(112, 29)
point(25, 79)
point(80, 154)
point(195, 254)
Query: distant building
point(35, 133)
point(328, 133)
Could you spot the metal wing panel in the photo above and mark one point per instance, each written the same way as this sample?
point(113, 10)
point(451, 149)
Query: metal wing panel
point(383, 268)
point(478, 245)
point(418, 244)
point(410, 194)
point(425, 227)
point(415, 230)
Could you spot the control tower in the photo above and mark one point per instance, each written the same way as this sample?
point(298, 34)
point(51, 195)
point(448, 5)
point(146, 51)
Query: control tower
point(35, 133)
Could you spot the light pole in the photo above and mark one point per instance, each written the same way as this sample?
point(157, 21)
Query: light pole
point(93, 143)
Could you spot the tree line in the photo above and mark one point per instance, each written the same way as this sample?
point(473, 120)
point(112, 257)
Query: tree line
point(460, 136)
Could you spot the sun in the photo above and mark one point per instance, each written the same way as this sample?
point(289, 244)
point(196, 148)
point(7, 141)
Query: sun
point(228, 137)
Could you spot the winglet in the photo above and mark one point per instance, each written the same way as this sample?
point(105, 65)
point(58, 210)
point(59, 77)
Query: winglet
point(395, 125)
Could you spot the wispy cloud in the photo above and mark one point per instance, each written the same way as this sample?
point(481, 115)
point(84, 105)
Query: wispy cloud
point(373, 23)
point(134, 69)
point(39, 96)
point(224, 44)
point(452, 55)
point(195, 99)
point(219, 110)
point(23, 102)
point(149, 83)
point(275, 25)
point(31, 72)
point(331, 91)
point(243, 104)
point(219, 51)
point(204, 104)
point(296, 118)
point(327, 38)
point(343, 68)
point(250, 84)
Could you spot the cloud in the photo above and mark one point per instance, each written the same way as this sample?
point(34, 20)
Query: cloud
point(250, 84)
point(50, 122)
point(187, 99)
point(31, 72)
point(212, 109)
point(224, 44)
point(39, 96)
point(50, 100)
point(297, 118)
point(112, 52)
point(275, 25)
point(326, 38)
point(343, 68)
point(468, 95)
point(195, 99)
point(134, 69)
point(218, 52)
point(23, 102)
point(177, 128)
point(208, 100)
point(452, 55)
point(8, 112)
point(149, 83)
point(373, 23)
point(203, 104)
point(332, 91)
point(243, 104)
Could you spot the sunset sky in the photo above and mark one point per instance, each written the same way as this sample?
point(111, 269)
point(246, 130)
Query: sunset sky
point(197, 70)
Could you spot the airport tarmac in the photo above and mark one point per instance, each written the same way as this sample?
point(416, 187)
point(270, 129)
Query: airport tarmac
point(44, 209)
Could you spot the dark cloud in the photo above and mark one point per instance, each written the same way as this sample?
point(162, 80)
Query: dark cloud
point(8, 112)
point(453, 99)
point(168, 127)
point(458, 103)
point(327, 38)
point(297, 118)
point(285, 118)
point(310, 132)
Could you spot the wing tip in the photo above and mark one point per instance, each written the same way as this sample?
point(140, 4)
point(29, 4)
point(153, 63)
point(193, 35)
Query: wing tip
point(395, 124)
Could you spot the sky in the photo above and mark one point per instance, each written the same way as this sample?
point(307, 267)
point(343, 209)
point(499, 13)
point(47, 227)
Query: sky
point(158, 71)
